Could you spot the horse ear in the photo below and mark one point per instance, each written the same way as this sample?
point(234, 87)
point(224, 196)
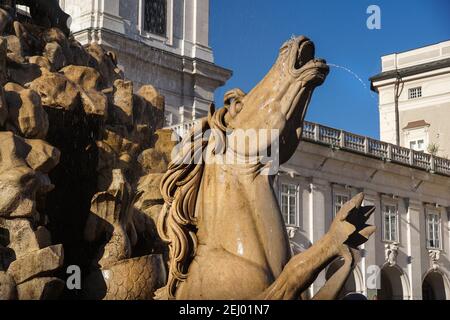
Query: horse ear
point(233, 95)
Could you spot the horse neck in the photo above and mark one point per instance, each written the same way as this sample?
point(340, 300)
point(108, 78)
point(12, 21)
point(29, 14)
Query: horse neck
point(234, 203)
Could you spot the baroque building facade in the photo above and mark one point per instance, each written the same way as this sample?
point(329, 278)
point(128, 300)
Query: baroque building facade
point(408, 257)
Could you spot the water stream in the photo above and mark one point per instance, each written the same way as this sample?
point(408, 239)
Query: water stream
point(354, 75)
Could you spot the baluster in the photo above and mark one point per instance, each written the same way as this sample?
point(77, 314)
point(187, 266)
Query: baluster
point(389, 152)
point(316, 129)
point(366, 145)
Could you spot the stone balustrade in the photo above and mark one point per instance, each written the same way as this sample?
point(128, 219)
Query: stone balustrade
point(340, 139)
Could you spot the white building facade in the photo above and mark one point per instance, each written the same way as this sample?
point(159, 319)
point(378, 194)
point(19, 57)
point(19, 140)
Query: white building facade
point(408, 256)
point(414, 98)
point(161, 42)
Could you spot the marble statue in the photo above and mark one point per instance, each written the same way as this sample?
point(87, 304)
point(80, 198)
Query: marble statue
point(222, 222)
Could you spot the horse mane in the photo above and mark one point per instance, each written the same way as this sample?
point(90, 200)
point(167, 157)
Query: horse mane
point(177, 224)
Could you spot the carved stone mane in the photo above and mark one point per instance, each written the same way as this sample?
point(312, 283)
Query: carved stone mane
point(177, 224)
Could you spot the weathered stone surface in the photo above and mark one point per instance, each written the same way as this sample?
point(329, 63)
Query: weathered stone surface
point(109, 208)
point(121, 109)
point(105, 63)
point(156, 104)
point(3, 58)
point(94, 102)
point(42, 156)
point(55, 55)
point(43, 236)
point(22, 238)
point(57, 91)
point(86, 77)
point(7, 255)
point(5, 20)
point(37, 262)
point(150, 94)
point(18, 183)
point(25, 111)
point(7, 287)
point(17, 197)
point(157, 159)
point(40, 289)
point(80, 55)
point(41, 61)
point(54, 35)
point(3, 107)
point(15, 45)
point(22, 73)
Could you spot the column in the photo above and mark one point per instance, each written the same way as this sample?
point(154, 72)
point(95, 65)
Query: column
point(416, 245)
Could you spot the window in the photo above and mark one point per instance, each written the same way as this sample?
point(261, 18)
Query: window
point(417, 145)
point(289, 203)
point(155, 17)
point(414, 93)
point(433, 230)
point(390, 223)
point(339, 201)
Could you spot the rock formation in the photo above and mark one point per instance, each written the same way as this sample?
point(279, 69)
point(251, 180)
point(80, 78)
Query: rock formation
point(81, 158)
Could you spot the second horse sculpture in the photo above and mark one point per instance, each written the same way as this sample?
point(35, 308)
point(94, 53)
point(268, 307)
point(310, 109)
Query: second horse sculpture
point(225, 231)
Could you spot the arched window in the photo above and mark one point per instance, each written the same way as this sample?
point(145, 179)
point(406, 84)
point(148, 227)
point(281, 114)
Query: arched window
point(155, 17)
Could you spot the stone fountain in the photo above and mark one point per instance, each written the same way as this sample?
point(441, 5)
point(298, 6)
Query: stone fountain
point(87, 182)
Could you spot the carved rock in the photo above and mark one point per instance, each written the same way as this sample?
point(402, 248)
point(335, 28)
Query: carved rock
point(55, 55)
point(3, 107)
point(3, 58)
point(110, 213)
point(5, 20)
point(42, 156)
point(7, 287)
point(76, 99)
point(122, 103)
point(22, 238)
point(57, 91)
point(40, 289)
point(105, 62)
point(94, 102)
point(15, 45)
point(22, 72)
point(36, 263)
point(157, 159)
point(25, 111)
point(41, 61)
point(86, 77)
point(156, 100)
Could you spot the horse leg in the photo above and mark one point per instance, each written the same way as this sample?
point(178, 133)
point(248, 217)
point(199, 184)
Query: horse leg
point(301, 271)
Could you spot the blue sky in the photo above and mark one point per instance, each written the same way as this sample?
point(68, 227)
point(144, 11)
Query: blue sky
point(246, 35)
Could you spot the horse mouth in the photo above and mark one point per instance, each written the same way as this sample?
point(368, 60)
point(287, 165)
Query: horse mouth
point(305, 53)
point(305, 66)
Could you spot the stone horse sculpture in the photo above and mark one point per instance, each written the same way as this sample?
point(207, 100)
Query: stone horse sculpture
point(226, 235)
